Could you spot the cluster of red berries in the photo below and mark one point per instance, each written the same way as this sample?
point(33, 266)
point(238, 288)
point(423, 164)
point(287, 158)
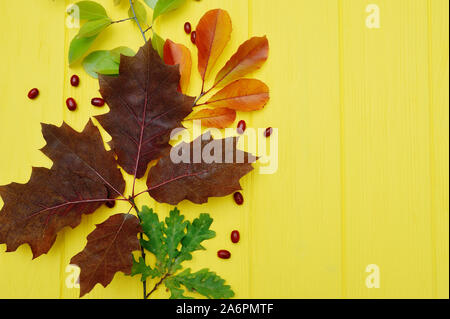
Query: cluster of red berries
point(225, 254)
point(70, 102)
point(188, 30)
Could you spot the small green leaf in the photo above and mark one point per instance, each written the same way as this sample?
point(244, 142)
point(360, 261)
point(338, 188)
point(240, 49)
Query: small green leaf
point(153, 229)
point(90, 10)
point(164, 6)
point(175, 289)
point(93, 27)
point(105, 62)
point(158, 44)
point(197, 232)
point(174, 232)
point(78, 47)
point(204, 282)
point(141, 12)
point(100, 62)
point(151, 3)
point(141, 268)
point(115, 53)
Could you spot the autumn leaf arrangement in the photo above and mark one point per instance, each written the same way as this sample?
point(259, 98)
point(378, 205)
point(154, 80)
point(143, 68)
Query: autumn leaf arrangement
point(147, 102)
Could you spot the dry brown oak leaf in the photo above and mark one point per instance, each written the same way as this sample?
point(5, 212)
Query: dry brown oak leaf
point(108, 250)
point(198, 170)
point(145, 106)
point(83, 177)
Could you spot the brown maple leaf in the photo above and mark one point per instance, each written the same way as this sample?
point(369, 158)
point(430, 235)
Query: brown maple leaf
point(83, 177)
point(197, 178)
point(108, 250)
point(145, 106)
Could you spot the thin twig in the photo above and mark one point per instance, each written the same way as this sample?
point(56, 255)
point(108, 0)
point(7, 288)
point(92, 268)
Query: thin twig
point(137, 22)
point(148, 29)
point(122, 20)
point(198, 98)
point(141, 235)
point(157, 285)
point(201, 104)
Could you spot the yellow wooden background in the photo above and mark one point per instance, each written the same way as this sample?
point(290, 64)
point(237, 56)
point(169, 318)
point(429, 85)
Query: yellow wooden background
point(363, 120)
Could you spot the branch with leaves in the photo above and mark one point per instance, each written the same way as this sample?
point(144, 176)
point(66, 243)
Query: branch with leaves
point(146, 102)
point(163, 241)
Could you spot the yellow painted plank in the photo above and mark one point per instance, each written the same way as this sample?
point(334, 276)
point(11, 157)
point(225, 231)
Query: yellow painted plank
point(32, 56)
point(386, 140)
point(296, 219)
point(439, 159)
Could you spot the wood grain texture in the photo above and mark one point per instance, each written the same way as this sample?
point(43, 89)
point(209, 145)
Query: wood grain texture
point(363, 147)
point(386, 150)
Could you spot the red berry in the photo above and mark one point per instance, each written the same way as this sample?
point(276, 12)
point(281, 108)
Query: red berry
point(235, 236)
point(224, 254)
point(187, 28)
point(238, 198)
point(193, 36)
point(71, 104)
point(111, 203)
point(75, 80)
point(96, 101)
point(33, 94)
point(268, 132)
point(241, 127)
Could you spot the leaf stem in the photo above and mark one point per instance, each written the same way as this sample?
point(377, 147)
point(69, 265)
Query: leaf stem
point(149, 28)
point(198, 98)
point(203, 94)
point(122, 20)
point(85, 201)
point(201, 104)
point(137, 22)
point(173, 179)
point(157, 285)
point(141, 235)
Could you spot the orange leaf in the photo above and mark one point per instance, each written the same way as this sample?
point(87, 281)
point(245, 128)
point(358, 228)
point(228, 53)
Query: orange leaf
point(218, 118)
point(250, 56)
point(242, 95)
point(213, 33)
point(174, 54)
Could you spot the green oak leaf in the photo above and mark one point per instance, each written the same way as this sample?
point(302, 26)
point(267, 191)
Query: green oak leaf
point(151, 3)
point(141, 268)
point(174, 232)
point(204, 282)
point(141, 12)
point(197, 232)
point(164, 6)
point(153, 229)
point(158, 44)
point(164, 240)
point(90, 10)
point(93, 27)
point(78, 47)
point(174, 286)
